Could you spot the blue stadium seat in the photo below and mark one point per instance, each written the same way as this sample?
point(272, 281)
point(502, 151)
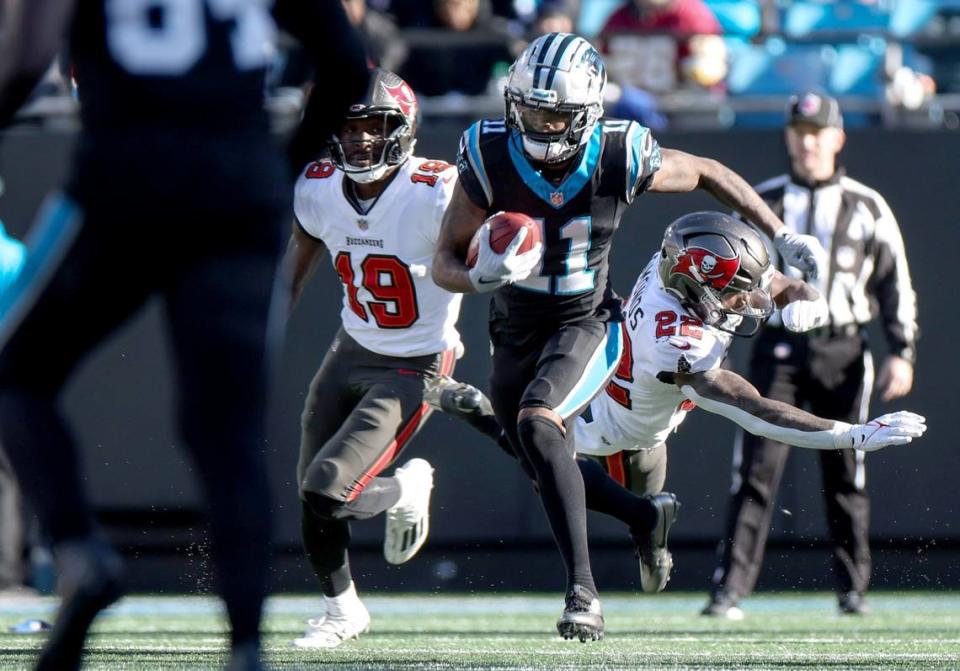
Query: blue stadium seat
point(804, 19)
point(857, 69)
point(739, 18)
point(900, 18)
point(775, 68)
point(594, 15)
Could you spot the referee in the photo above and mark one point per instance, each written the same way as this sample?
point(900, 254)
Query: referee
point(828, 370)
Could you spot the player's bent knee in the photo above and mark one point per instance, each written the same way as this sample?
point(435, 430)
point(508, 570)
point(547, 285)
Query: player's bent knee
point(541, 439)
point(325, 507)
point(323, 477)
point(545, 413)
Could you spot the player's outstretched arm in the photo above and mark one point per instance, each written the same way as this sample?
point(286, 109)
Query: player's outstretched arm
point(681, 172)
point(461, 220)
point(727, 394)
point(300, 261)
point(30, 35)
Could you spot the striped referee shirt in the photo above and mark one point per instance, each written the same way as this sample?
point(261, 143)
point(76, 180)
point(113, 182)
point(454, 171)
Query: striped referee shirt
point(868, 270)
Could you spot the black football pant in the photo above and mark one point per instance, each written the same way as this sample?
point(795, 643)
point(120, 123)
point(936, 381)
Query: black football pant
point(361, 411)
point(560, 368)
point(87, 273)
point(832, 377)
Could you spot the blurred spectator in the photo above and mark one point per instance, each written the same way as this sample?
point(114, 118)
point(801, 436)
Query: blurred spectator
point(659, 45)
point(555, 16)
point(629, 102)
point(380, 36)
point(462, 48)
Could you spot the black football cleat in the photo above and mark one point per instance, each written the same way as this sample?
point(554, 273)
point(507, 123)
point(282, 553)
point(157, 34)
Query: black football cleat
point(650, 548)
point(456, 398)
point(582, 616)
point(90, 575)
point(852, 603)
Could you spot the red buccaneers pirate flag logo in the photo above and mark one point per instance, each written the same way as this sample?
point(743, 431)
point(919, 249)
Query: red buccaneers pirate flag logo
point(403, 95)
point(706, 267)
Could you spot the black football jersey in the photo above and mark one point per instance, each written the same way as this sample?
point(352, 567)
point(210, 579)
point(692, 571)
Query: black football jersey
point(578, 215)
point(187, 63)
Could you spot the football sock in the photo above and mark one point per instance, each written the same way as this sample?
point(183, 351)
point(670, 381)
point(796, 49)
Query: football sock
point(343, 603)
point(326, 542)
point(561, 492)
point(606, 495)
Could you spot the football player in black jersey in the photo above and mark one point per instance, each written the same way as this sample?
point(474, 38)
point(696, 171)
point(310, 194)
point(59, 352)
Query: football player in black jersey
point(555, 159)
point(177, 189)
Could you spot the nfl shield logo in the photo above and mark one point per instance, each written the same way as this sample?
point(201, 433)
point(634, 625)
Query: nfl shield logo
point(556, 199)
point(362, 223)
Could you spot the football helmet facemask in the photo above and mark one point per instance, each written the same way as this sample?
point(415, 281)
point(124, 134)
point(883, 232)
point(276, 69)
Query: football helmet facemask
point(390, 98)
point(720, 270)
point(554, 96)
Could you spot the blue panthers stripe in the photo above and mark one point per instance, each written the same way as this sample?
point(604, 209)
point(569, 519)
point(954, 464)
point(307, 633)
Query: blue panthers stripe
point(571, 185)
point(56, 228)
point(476, 160)
point(602, 365)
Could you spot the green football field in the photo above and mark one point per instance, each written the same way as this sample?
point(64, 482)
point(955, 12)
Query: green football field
point(909, 630)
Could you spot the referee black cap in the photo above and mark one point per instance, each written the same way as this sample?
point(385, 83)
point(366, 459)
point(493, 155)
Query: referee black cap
point(815, 109)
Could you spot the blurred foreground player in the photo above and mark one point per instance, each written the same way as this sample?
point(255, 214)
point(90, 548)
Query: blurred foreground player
point(377, 208)
point(177, 189)
point(554, 322)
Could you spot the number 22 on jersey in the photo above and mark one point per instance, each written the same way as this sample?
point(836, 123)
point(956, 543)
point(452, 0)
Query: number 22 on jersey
point(388, 280)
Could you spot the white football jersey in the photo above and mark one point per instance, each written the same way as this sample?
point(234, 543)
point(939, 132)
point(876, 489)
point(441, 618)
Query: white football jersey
point(637, 410)
point(383, 257)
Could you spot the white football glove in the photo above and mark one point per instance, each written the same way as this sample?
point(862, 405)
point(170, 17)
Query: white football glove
point(494, 270)
point(800, 316)
point(801, 251)
point(895, 428)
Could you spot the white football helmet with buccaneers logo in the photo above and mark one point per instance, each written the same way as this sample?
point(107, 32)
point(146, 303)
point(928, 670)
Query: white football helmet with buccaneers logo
point(392, 99)
point(718, 268)
point(554, 96)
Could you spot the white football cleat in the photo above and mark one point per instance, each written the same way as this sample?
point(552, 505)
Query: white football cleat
point(408, 521)
point(346, 618)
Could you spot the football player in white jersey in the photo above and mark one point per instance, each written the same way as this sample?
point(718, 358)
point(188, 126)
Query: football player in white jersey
point(377, 208)
point(711, 280)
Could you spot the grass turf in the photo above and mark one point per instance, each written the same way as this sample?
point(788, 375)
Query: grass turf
point(905, 631)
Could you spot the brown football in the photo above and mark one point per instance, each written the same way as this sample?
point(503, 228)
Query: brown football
point(504, 226)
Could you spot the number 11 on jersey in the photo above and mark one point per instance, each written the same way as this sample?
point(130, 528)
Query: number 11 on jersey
point(576, 278)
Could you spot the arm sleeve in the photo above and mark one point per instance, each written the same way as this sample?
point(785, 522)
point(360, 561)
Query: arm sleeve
point(445, 187)
point(892, 287)
point(817, 440)
point(343, 75)
point(643, 159)
point(470, 166)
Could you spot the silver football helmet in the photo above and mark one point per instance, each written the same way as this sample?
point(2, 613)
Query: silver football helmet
point(719, 269)
point(554, 96)
point(390, 98)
